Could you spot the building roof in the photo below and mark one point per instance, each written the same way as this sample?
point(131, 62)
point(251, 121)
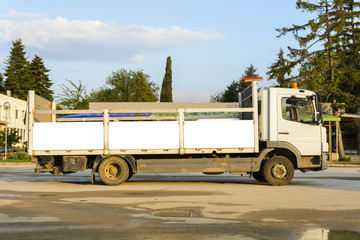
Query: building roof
point(330, 118)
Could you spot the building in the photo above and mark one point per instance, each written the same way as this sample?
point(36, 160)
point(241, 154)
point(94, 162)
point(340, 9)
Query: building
point(12, 114)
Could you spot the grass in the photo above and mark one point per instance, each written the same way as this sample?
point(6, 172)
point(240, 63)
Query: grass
point(18, 157)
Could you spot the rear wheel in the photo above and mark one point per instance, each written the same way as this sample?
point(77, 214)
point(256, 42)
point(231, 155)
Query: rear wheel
point(278, 171)
point(113, 170)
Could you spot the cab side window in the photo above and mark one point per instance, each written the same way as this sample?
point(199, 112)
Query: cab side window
point(298, 110)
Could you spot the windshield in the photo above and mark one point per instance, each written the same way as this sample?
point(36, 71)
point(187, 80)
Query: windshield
point(298, 110)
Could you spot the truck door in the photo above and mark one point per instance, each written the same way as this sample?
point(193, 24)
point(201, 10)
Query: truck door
point(296, 124)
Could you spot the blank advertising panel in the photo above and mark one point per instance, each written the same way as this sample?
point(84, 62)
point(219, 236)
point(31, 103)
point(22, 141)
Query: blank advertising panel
point(144, 135)
point(219, 134)
point(68, 136)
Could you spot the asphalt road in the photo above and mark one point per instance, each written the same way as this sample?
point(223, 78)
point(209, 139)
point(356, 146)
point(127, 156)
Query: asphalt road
point(321, 205)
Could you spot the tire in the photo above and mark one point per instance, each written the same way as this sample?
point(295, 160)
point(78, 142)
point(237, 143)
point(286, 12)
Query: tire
point(113, 170)
point(259, 176)
point(278, 171)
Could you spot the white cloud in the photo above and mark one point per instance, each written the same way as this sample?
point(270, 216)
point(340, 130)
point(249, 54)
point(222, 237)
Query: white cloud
point(61, 38)
point(22, 15)
point(137, 58)
point(191, 97)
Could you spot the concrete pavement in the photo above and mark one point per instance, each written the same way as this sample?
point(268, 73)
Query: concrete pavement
point(315, 205)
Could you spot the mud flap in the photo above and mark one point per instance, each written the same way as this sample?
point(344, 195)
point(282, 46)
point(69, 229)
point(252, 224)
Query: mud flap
point(324, 164)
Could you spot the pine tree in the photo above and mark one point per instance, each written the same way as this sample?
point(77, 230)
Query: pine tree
point(166, 89)
point(318, 31)
point(323, 29)
point(231, 93)
point(349, 59)
point(281, 70)
point(15, 71)
point(1, 83)
point(38, 76)
point(250, 71)
point(349, 55)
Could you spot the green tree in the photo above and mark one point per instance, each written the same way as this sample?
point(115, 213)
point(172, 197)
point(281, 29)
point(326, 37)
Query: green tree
point(166, 89)
point(317, 38)
point(349, 60)
point(102, 94)
point(231, 93)
point(74, 96)
point(349, 55)
point(15, 71)
point(127, 86)
point(12, 137)
point(1, 83)
point(250, 72)
point(38, 76)
point(281, 70)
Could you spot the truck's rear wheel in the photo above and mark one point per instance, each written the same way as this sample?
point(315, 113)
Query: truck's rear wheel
point(278, 171)
point(113, 170)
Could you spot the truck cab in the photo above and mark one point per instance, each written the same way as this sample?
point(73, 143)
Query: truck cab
point(291, 119)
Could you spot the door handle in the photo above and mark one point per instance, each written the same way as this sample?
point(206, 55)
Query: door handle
point(284, 133)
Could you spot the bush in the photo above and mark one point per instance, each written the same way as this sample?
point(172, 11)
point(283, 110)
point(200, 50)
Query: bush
point(345, 159)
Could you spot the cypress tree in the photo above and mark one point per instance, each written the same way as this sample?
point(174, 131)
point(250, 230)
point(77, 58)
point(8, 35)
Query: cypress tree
point(38, 77)
point(166, 89)
point(15, 71)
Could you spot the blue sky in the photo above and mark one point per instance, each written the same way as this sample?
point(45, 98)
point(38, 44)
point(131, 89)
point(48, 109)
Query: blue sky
point(210, 42)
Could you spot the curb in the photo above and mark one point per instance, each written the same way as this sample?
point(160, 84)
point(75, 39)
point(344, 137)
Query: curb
point(343, 164)
point(16, 163)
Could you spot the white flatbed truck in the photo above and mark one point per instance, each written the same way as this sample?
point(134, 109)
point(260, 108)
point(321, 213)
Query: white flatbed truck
point(267, 135)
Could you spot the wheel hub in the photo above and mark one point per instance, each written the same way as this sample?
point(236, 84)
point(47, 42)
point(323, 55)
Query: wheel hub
point(111, 171)
point(279, 171)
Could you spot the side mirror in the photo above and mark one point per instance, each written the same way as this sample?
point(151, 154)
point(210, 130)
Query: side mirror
point(318, 118)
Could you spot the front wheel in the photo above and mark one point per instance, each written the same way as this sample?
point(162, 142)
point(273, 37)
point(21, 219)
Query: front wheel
point(278, 171)
point(113, 170)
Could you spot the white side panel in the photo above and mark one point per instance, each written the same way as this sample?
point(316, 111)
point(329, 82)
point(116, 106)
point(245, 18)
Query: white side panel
point(144, 135)
point(68, 136)
point(272, 115)
point(219, 134)
point(263, 116)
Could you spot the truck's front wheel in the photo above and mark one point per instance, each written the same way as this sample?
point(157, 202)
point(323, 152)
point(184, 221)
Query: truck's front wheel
point(278, 171)
point(113, 170)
